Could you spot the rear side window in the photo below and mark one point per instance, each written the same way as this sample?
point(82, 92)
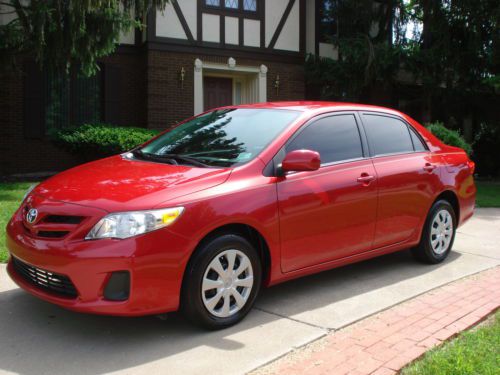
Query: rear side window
point(387, 135)
point(336, 138)
point(417, 142)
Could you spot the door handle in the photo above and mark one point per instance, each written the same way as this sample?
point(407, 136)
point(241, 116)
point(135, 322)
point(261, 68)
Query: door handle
point(429, 167)
point(365, 178)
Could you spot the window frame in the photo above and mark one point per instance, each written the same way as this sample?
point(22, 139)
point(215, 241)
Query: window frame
point(409, 128)
point(419, 137)
point(280, 155)
point(227, 10)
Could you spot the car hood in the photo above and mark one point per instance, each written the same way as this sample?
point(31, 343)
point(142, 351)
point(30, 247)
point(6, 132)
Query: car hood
point(119, 184)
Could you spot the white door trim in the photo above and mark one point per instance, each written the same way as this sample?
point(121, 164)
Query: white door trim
point(199, 66)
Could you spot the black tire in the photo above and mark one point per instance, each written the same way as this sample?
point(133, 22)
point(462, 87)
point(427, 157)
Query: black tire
point(192, 303)
point(424, 251)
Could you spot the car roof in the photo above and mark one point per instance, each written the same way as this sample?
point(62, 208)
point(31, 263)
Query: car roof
point(317, 105)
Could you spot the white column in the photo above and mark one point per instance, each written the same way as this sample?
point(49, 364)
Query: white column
point(263, 84)
point(198, 86)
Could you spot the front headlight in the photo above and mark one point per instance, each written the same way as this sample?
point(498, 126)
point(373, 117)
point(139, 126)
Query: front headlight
point(129, 224)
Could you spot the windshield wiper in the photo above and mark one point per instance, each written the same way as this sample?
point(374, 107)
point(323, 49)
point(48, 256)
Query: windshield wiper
point(170, 157)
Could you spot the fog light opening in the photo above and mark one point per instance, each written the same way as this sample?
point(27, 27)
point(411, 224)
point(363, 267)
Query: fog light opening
point(118, 286)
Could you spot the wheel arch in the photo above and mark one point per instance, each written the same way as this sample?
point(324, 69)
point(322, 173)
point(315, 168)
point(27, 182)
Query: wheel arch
point(451, 197)
point(251, 234)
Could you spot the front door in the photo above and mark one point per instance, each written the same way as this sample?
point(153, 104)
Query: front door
point(329, 213)
point(217, 92)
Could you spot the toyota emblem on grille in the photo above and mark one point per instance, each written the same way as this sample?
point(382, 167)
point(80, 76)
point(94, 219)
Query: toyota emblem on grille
point(31, 215)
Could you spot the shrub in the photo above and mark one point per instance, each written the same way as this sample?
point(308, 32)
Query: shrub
point(449, 136)
point(92, 141)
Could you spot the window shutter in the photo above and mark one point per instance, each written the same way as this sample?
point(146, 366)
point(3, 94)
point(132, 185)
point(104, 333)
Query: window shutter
point(112, 94)
point(34, 108)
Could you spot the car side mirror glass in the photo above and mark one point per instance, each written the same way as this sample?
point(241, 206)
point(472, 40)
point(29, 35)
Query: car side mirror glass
point(300, 161)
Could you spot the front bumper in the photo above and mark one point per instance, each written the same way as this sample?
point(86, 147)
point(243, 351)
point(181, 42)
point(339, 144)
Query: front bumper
point(155, 261)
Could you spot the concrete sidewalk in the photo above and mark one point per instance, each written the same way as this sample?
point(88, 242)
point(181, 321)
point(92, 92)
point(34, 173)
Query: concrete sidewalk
point(39, 338)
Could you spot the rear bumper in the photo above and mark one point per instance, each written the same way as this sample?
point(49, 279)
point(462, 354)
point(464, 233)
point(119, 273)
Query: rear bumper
point(467, 199)
point(155, 261)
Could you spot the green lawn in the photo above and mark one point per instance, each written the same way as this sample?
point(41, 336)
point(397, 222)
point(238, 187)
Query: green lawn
point(11, 194)
point(10, 197)
point(488, 194)
point(472, 352)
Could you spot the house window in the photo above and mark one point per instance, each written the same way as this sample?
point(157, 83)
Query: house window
point(72, 100)
point(231, 4)
point(250, 5)
point(245, 5)
point(328, 25)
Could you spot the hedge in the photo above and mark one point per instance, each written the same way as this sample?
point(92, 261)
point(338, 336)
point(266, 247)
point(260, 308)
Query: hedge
point(92, 141)
point(449, 136)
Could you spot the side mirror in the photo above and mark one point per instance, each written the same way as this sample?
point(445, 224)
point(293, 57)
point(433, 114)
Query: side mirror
point(300, 161)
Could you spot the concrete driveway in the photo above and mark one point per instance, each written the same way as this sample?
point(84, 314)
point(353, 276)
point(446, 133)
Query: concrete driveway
point(39, 338)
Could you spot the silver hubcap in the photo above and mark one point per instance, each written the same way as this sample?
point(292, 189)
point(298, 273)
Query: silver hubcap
point(227, 283)
point(441, 232)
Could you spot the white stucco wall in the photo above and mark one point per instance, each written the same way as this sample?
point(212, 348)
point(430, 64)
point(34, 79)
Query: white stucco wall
point(211, 28)
point(251, 33)
point(274, 10)
point(289, 38)
point(168, 24)
point(231, 30)
point(328, 50)
point(188, 8)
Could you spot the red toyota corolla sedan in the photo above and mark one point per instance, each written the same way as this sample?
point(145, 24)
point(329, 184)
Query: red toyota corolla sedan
point(201, 217)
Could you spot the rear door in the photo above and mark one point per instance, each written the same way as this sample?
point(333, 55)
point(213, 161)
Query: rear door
point(408, 177)
point(329, 213)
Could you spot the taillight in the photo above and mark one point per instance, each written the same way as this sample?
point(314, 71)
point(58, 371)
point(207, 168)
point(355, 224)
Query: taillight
point(472, 166)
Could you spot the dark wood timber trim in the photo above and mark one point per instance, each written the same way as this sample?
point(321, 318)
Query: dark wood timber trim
point(183, 21)
point(281, 24)
point(231, 12)
point(262, 5)
point(151, 25)
point(199, 21)
point(222, 28)
point(138, 36)
point(240, 32)
point(317, 21)
point(214, 49)
point(302, 27)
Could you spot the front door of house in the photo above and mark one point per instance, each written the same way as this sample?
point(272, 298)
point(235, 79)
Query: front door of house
point(217, 92)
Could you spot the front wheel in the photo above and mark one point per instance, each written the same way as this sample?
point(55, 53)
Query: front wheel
point(438, 234)
point(222, 282)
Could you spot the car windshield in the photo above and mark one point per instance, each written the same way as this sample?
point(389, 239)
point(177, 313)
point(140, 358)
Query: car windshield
point(221, 138)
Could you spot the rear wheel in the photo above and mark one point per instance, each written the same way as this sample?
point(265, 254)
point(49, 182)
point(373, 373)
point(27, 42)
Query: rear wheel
point(222, 282)
point(438, 234)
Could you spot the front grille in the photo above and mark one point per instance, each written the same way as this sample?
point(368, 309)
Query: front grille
point(52, 233)
point(63, 219)
point(51, 226)
point(59, 285)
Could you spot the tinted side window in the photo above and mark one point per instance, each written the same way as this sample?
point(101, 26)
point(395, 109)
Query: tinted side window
point(417, 142)
point(387, 135)
point(336, 138)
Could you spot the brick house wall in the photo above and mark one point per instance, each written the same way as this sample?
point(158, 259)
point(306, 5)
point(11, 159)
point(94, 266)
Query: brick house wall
point(140, 83)
point(170, 102)
point(150, 95)
point(19, 154)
